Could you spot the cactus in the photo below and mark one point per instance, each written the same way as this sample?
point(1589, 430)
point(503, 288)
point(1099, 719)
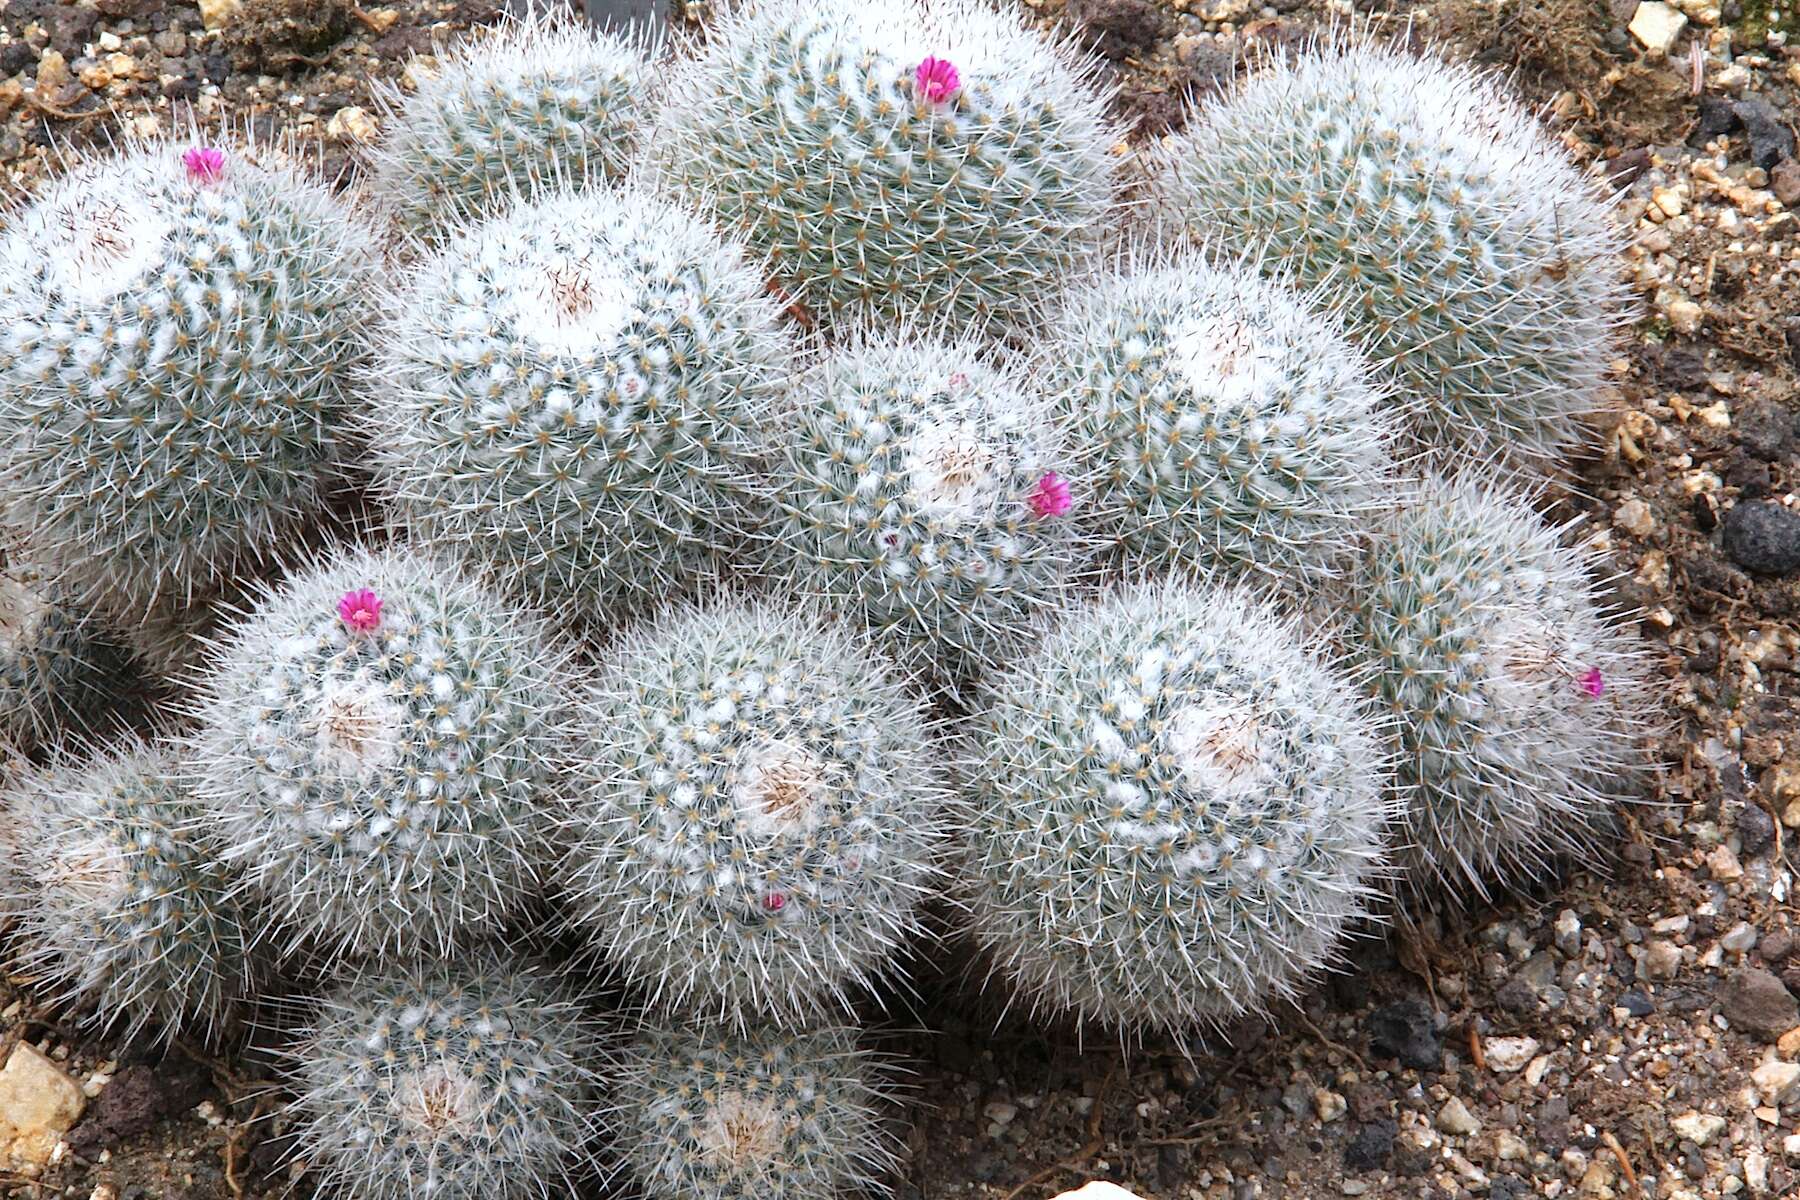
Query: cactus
point(124, 905)
point(61, 672)
point(758, 818)
point(1223, 424)
point(758, 1115)
point(448, 1081)
point(1518, 701)
point(1176, 811)
point(377, 744)
point(921, 496)
point(179, 332)
point(530, 105)
point(1461, 245)
point(577, 390)
point(894, 158)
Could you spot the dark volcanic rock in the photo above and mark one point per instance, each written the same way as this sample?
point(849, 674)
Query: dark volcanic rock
point(1406, 1030)
point(1757, 1003)
point(1764, 537)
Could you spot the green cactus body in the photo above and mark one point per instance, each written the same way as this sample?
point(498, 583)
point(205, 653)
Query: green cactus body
point(1176, 811)
point(179, 332)
point(1517, 705)
point(1460, 244)
point(528, 107)
point(878, 188)
point(476, 1079)
point(758, 822)
point(762, 1115)
point(378, 743)
point(916, 500)
point(1221, 423)
point(126, 907)
point(578, 390)
point(59, 670)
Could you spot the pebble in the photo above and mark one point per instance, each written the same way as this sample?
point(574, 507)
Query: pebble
point(1329, 1105)
point(1740, 938)
point(1757, 1003)
point(352, 124)
point(38, 1104)
point(1764, 537)
point(1568, 932)
point(1668, 200)
point(52, 70)
point(1724, 864)
point(1776, 1081)
point(1635, 518)
point(1406, 1030)
point(1508, 1054)
point(216, 14)
point(1662, 959)
point(1770, 139)
point(1698, 1128)
point(1000, 1112)
point(1099, 1189)
point(1456, 1119)
point(1683, 314)
point(1656, 25)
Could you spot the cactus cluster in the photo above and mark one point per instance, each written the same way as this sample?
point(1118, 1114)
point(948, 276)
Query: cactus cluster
point(453, 1081)
point(574, 393)
point(930, 159)
point(1517, 699)
point(379, 743)
point(710, 1114)
point(920, 496)
point(1081, 603)
point(1222, 423)
point(1453, 233)
point(124, 902)
point(530, 106)
point(758, 817)
point(180, 332)
point(1176, 811)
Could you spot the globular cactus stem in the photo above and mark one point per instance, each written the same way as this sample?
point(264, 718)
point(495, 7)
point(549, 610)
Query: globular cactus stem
point(1222, 422)
point(894, 158)
point(180, 331)
point(615, 455)
point(476, 1079)
point(1519, 702)
point(1461, 245)
point(1176, 811)
point(710, 1114)
point(527, 107)
point(759, 817)
point(123, 900)
point(379, 744)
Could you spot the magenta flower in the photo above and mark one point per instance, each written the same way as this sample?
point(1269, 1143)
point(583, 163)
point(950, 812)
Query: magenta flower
point(1593, 683)
point(204, 164)
point(937, 79)
point(774, 902)
point(1051, 497)
point(360, 610)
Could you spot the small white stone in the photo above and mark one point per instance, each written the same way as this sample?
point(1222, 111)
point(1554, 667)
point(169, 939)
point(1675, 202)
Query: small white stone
point(1509, 1054)
point(1740, 938)
point(1000, 1112)
point(1776, 1081)
point(1698, 1128)
point(1568, 932)
point(1635, 518)
point(351, 123)
point(1657, 25)
point(1456, 1119)
point(1790, 1145)
point(1329, 1105)
point(216, 14)
point(1099, 1190)
point(38, 1104)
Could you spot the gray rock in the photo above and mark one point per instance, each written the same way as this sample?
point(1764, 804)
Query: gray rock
point(1764, 537)
point(1406, 1030)
point(1757, 1003)
point(1770, 139)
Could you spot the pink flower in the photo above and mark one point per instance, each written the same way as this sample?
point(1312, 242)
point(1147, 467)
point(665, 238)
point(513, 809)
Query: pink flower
point(360, 610)
point(774, 902)
point(1593, 683)
point(1051, 497)
point(204, 164)
point(937, 79)
point(959, 380)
